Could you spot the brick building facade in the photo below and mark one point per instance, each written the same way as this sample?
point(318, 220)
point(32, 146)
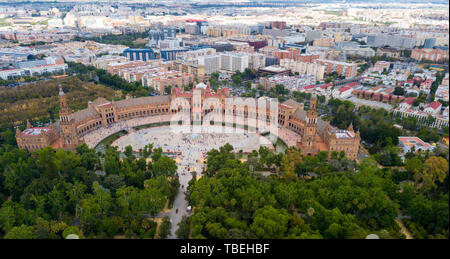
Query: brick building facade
point(313, 133)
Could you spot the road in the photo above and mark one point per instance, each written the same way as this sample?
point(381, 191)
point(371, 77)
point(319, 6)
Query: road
point(373, 104)
point(362, 153)
point(190, 156)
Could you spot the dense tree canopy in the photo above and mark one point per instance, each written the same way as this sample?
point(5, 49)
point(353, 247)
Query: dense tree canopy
point(53, 193)
point(352, 202)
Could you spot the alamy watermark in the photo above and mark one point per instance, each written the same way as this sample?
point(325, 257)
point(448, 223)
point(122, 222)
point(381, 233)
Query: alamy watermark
point(228, 115)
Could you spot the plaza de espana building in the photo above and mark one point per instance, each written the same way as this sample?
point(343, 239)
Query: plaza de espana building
point(313, 134)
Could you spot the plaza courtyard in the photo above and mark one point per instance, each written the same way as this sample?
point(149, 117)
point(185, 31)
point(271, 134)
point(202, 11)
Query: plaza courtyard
point(169, 140)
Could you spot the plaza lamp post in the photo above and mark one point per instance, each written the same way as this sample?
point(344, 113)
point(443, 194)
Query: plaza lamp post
point(310, 213)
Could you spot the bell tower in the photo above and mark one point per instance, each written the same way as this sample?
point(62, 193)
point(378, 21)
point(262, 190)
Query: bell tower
point(308, 145)
point(69, 135)
point(64, 110)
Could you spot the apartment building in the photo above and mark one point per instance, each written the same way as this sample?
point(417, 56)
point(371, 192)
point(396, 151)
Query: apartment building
point(396, 41)
point(323, 42)
point(341, 68)
point(197, 70)
point(139, 54)
point(157, 35)
point(161, 80)
point(103, 61)
point(242, 47)
point(289, 53)
point(256, 61)
point(304, 68)
point(268, 51)
point(114, 68)
point(434, 55)
point(136, 74)
point(361, 52)
point(309, 58)
point(389, 52)
point(214, 32)
point(232, 61)
point(380, 66)
point(195, 54)
point(210, 63)
point(293, 83)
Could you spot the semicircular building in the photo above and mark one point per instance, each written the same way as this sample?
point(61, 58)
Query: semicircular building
point(297, 127)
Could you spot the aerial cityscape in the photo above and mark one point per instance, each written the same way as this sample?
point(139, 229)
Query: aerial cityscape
point(203, 119)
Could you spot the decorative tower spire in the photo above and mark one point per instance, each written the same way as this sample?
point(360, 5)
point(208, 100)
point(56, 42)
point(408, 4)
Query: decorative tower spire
point(350, 128)
point(313, 102)
point(64, 110)
point(29, 124)
point(61, 92)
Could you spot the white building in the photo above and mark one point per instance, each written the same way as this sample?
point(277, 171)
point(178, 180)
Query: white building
point(343, 92)
point(256, 61)
point(10, 73)
point(442, 93)
point(304, 68)
point(103, 61)
point(169, 43)
point(30, 71)
point(231, 61)
point(53, 68)
point(410, 144)
point(211, 63)
point(363, 52)
point(293, 83)
point(195, 54)
point(433, 108)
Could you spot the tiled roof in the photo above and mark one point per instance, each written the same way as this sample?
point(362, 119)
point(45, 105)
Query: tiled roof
point(143, 101)
point(326, 85)
point(84, 114)
point(290, 103)
point(413, 141)
point(435, 105)
point(343, 89)
point(409, 100)
point(321, 126)
point(36, 131)
point(300, 114)
point(352, 84)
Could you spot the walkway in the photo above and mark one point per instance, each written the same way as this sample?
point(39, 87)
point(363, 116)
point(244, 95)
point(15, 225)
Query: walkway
point(403, 228)
point(180, 204)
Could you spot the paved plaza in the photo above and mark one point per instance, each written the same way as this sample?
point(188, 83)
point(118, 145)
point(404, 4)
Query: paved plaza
point(93, 138)
point(169, 140)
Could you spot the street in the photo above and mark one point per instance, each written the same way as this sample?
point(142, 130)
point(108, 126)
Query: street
point(189, 159)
